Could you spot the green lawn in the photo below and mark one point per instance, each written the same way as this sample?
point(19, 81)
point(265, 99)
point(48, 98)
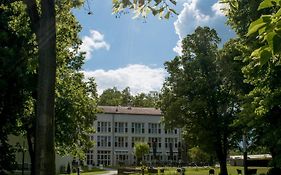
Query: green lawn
point(94, 171)
point(232, 170)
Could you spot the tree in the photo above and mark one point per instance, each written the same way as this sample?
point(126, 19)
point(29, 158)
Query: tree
point(114, 97)
point(22, 107)
point(195, 96)
point(269, 33)
point(198, 156)
point(140, 149)
point(42, 23)
point(111, 97)
point(146, 100)
point(261, 57)
point(13, 82)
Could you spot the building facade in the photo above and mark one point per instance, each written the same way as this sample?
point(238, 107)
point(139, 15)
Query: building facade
point(119, 128)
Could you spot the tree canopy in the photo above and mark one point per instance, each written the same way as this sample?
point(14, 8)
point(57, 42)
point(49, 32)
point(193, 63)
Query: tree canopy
point(75, 100)
point(114, 97)
point(199, 97)
point(140, 149)
point(261, 68)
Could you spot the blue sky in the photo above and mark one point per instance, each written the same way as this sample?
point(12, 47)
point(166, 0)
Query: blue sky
point(130, 52)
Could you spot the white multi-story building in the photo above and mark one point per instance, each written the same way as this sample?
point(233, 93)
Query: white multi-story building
point(119, 128)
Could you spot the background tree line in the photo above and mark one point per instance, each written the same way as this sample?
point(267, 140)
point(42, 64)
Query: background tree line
point(115, 97)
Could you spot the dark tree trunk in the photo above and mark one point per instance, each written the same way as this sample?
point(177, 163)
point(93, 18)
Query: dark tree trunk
point(31, 150)
point(45, 131)
point(222, 154)
point(223, 168)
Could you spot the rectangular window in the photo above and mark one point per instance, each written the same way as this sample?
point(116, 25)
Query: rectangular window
point(104, 141)
point(154, 128)
point(157, 141)
point(138, 128)
point(121, 142)
point(121, 127)
point(89, 155)
point(103, 127)
point(104, 158)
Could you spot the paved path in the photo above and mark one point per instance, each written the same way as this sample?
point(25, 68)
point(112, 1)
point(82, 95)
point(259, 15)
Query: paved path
point(110, 171)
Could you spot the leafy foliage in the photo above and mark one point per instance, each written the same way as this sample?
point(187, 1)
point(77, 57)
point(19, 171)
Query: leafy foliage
point(261, 105)
point(198, 96)
point(140, 149)
point(13, 85)
point(198, 156)
point(114, 97)
point(75, 103)
point(144, 7)
point(269, 33)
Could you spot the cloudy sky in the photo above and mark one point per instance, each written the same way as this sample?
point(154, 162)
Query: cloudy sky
point(130, 52)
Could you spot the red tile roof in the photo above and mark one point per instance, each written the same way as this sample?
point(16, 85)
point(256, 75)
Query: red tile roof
point(129, 110)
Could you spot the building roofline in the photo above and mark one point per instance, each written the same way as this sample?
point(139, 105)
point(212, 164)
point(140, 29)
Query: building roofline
point(130, 110)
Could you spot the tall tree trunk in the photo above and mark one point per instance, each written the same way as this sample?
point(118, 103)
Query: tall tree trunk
point(31, 150)
point(44, 138)
point(223, 168)
point(221, 152)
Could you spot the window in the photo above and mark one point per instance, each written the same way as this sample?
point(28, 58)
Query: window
point(104, 158)
point(138, 128)
point(103, 127)
point(154, 128)
point(121, 127)
point(154, 139)
point(104, 141)
point(90, 159)
point(121, 142)
point(169, 131)
point(92, 138)
point(168, 141)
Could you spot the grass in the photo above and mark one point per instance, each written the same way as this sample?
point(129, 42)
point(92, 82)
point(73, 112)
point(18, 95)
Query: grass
point(232, 170)
point(93, 171)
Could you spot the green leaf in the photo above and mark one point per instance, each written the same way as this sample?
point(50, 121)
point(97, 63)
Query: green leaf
point(266, 18)
point(265, 4)
point(154, 12)
point(172, 10)
point(269, 38)
point(114, 1)
point(262, 30)
point(167, 16)
point(276, 44)
point(255, 26)
point(278, 13)
point(256, 53)
point(265, 55)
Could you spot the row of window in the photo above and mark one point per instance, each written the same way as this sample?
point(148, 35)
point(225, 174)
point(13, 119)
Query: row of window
point(122, 142)
point(136, 128)
point(104, 157)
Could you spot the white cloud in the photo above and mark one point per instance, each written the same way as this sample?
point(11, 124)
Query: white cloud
point(140, 78)
point(191, 17)
point(93, 42)
point(219, 8)
point(178, 47)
